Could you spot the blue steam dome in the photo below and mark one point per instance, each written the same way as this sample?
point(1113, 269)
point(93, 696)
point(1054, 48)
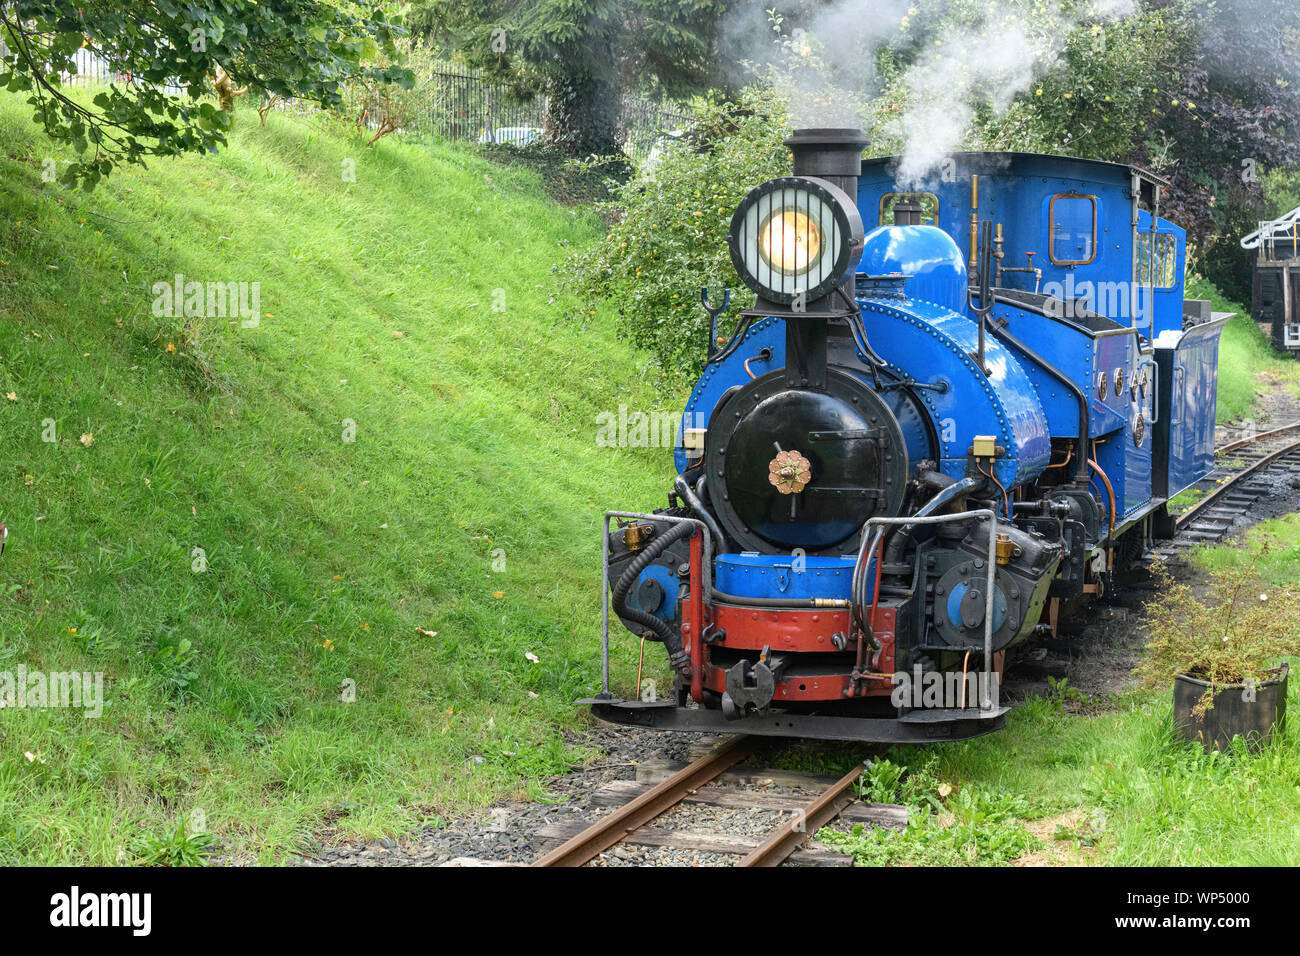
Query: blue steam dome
point(926, 253)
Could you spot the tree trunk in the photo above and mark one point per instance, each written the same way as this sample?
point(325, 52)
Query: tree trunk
point(583, 112)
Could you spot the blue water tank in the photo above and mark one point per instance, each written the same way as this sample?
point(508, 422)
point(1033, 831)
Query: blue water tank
point(926, 253)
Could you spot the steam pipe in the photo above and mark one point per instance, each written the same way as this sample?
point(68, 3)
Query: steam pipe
point(955, 490)
point(1085, 423)
point(683, 488)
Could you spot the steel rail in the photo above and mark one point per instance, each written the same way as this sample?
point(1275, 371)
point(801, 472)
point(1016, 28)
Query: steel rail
point(1243, 442)
point(1183, 519)
point(824, 808)
point(612, 828)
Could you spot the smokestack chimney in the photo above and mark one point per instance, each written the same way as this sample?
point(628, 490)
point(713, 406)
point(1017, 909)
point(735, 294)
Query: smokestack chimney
point(831, 154)
point(908, 212)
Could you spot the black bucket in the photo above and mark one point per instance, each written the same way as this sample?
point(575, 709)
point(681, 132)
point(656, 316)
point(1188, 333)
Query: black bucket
point(1234, 712)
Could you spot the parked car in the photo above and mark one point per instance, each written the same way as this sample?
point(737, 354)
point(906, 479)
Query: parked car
point(510, 135)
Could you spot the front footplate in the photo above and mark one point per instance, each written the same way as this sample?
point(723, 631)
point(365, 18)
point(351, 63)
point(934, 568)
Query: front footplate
point(665, 715)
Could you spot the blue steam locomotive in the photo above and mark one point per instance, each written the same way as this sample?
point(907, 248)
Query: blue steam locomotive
point(921, 446)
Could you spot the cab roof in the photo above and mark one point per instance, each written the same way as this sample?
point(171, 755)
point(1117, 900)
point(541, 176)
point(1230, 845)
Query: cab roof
point(989, 163)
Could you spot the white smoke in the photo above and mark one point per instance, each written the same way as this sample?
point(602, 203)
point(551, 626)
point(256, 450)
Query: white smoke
point(986, 63)
point(983, 63)
point(822, 63)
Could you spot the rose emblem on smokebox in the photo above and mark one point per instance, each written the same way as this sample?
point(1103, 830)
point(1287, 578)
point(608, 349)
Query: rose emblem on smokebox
point(790, 472)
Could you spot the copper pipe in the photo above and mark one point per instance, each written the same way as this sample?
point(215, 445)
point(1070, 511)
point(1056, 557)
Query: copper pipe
point(875, 598)
point(964, 663)
point(988, 474)
point(1110, 494)
point(1110, 490)
point(639, 661)
point(1068, 456)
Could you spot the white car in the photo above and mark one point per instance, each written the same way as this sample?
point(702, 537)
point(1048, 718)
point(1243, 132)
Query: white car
point(510, 135)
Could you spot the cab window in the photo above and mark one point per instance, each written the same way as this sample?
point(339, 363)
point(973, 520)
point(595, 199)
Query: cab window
point(1073, 225)
point(1158, 268)
point(929, 207)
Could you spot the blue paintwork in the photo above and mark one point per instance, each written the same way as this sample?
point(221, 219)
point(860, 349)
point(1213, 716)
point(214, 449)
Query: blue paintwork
point(934, 345)
point(667, 608)
point(1195, 403)
point(929, 344)
point(785, 576)
point(719, 377)
point(1016, 190)
point(959, 592)
point(1084, 355)
point(927, 255)
point(928, 335)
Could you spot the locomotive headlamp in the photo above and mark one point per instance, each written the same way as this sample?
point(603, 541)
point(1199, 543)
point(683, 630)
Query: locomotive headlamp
point(795, 236)
point(790, 242)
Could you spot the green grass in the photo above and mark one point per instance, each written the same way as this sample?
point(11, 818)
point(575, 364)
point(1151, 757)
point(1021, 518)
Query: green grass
point(468, 504)
point(1272, 547)
point(1248, 365)
point(1111, 789)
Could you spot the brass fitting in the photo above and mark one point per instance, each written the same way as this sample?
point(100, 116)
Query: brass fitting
point(636, 534)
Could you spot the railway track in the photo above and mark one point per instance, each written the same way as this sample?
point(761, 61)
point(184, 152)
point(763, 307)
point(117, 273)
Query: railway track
point(1248, 470)
point(796, 805)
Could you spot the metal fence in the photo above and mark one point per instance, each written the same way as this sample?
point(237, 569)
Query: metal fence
point(454, 103)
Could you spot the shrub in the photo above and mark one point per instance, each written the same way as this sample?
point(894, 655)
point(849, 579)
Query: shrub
point(670, 237)
point(1236, 631)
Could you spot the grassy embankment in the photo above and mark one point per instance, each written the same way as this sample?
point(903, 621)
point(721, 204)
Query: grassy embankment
point(1248, 366)
point(467, 505)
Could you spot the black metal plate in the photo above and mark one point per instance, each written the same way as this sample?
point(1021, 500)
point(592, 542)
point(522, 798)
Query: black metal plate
point(807, 726)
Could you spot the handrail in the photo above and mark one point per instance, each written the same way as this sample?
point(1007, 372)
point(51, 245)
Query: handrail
point(987, 703)
point(1269, 230)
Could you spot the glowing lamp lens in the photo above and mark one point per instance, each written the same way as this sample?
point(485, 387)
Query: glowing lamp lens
point(790, 242)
